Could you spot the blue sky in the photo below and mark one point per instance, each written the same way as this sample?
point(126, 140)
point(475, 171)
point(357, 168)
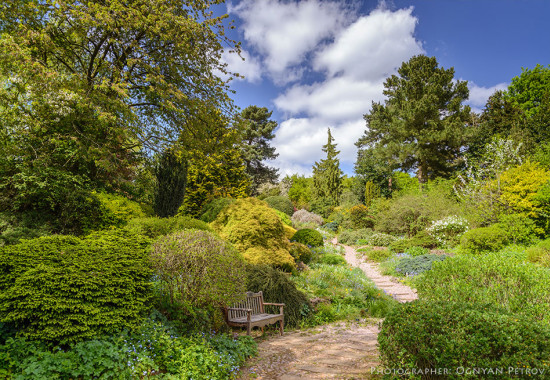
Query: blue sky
point(319, 64)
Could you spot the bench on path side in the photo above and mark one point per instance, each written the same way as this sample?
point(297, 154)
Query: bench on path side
point(251, 313)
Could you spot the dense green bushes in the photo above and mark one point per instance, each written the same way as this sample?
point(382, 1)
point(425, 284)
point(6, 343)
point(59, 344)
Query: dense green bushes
point(360, 217)
point(308, 237)
point(154, 227)
point(278, 288)
point(498, 279)
point(256, 231)
point(280, 203)
point(484, 239)
point(461, 337)
point(421, 239)
point(350, 237)
point(211, 210)
point(63, 289)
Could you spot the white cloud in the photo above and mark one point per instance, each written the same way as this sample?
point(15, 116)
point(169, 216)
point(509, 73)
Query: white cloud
point(284, 32)
point(372, 47)
point(479, 95)
point(250, 67)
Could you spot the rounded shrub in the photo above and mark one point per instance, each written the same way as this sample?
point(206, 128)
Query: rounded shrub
point(154, 227)
point(308, 237)
point(381, 240)
point(305, 217)
point(120, 208)
point(211, 210)
point(278, 288)
point(484, 239)
point(280, 203)
point(331, 259)
point(454, 336)
point(350, 237)
point(447, 231)
point(214, 270)
point(256, 231)
point(300, 252)
point(360, 217)
point(62, 289)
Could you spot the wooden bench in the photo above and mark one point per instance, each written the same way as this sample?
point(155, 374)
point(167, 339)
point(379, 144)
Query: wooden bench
point(251, 313)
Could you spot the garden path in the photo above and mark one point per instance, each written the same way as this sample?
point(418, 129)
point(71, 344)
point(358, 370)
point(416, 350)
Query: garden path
point(343, 350)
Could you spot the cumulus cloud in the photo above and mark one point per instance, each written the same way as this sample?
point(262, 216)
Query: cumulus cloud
point(479, 95)
point(245, 65)
point(284, 32)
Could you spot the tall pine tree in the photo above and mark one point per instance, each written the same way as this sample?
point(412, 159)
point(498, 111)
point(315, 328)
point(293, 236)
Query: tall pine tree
point(327, 180)
point(171, 173)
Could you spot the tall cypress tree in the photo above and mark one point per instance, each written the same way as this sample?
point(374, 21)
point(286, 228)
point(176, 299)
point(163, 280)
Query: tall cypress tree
point(171, 173)
point(327, 179)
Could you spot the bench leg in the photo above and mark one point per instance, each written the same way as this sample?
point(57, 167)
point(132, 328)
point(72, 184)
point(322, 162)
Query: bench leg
point(281, 326)
point(248, 329)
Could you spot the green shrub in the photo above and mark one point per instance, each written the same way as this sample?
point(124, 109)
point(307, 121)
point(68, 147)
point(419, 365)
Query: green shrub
point(378, 255)
point(417, 251)
point(62, 289)
point(331, 259)
point(300, 252)
point(540, 253)
point(350, 237)
point(413, 266)
point(211, 210)
point(278, 288)
point(214, 271)
point(341, 217)
point(280, 203)
point(360, 217)
point(518, 228)
point(331, 226)
point(484, 239)
point(499, 279)
point(380, 240)
point(154, 227)
point(256, 231)
point(457, 336)
point(447, 231)
point(120, 209)
point(311, 238)
point(284, 217)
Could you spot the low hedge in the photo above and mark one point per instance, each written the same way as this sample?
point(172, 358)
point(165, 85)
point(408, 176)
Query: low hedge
point(459, 338)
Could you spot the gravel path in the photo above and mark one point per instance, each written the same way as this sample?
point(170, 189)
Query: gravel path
point(397, 290)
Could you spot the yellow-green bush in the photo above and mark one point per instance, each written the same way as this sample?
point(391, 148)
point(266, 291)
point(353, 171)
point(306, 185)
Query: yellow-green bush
point(121, 208)
point(256, 231)
point(300, 252)
point(289, 231)
point(154, 227)
point(360, 217)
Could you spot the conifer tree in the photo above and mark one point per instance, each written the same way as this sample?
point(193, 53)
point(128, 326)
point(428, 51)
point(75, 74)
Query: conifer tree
point(327, 179)
point(171, 173)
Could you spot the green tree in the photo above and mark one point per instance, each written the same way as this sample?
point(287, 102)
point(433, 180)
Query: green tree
point(370, 168)
point(171, 174)
point(422, 123)
point(300, 191)
point(256, 131)
point(327, 179)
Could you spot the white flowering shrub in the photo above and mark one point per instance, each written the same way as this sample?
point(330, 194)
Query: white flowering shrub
point(304, 217)
point(448, 231)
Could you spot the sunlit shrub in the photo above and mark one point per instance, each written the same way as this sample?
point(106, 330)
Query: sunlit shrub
point(308, 237)
point(280, 203)
point(484, 239)
point(447, 231)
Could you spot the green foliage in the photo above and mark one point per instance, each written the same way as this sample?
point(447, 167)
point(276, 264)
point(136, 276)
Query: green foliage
point(171, 175)
point(380, 240)
point(499, 279)
point(529, 90)
point(417, 264)
point(447, 231)
point(280, 203)
point(540, 253)
point(63, 289)
point(331, 259)
point(421, 239)
point(350, 237)
point(119, 209)
point(372, 191)
point(454, 336)
point(327, 180)
point(300, 252)
point(483, 240)
point(305, 218)
point(256, 231)
point(300, 191)
point(154, 227)
point(211, 210)
point(519, 229)
point(350, 293)
point(284, 217)
point(331, 226)
point(255, 130)
point(151, 350)
point(360, 217)
point(308, 237)
point(373, 254)
point(278, 288)
point(422, 124)
point(417, 251)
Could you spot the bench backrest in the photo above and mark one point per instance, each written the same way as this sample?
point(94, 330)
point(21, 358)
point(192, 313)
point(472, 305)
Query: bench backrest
point(254, 301)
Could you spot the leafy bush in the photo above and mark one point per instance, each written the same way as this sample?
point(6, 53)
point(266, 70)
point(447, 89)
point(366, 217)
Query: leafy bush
point(211, 210)
point(300, 252)
point(413, 266)
point(331, 226)
point(214, 270)
point(519, 229)
point(331, 259)
point(350, 237)
point(378, 255)
point(120, 209)
point(484, 239)
point(540, 253)
point(62, 289)
point(289, 231)
point(308, 237)
point(152, 350)
point(499, 279)
point(304, 216)
point(284, 217)
point(454, 336)
point(256, 231)
point(447, 231)
point(360, 217)
point(380, 239)
point(280, 203)
point(278, 288)
point(417, 251)
point(341, 217)
point(421, 239)
point(154, 227)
